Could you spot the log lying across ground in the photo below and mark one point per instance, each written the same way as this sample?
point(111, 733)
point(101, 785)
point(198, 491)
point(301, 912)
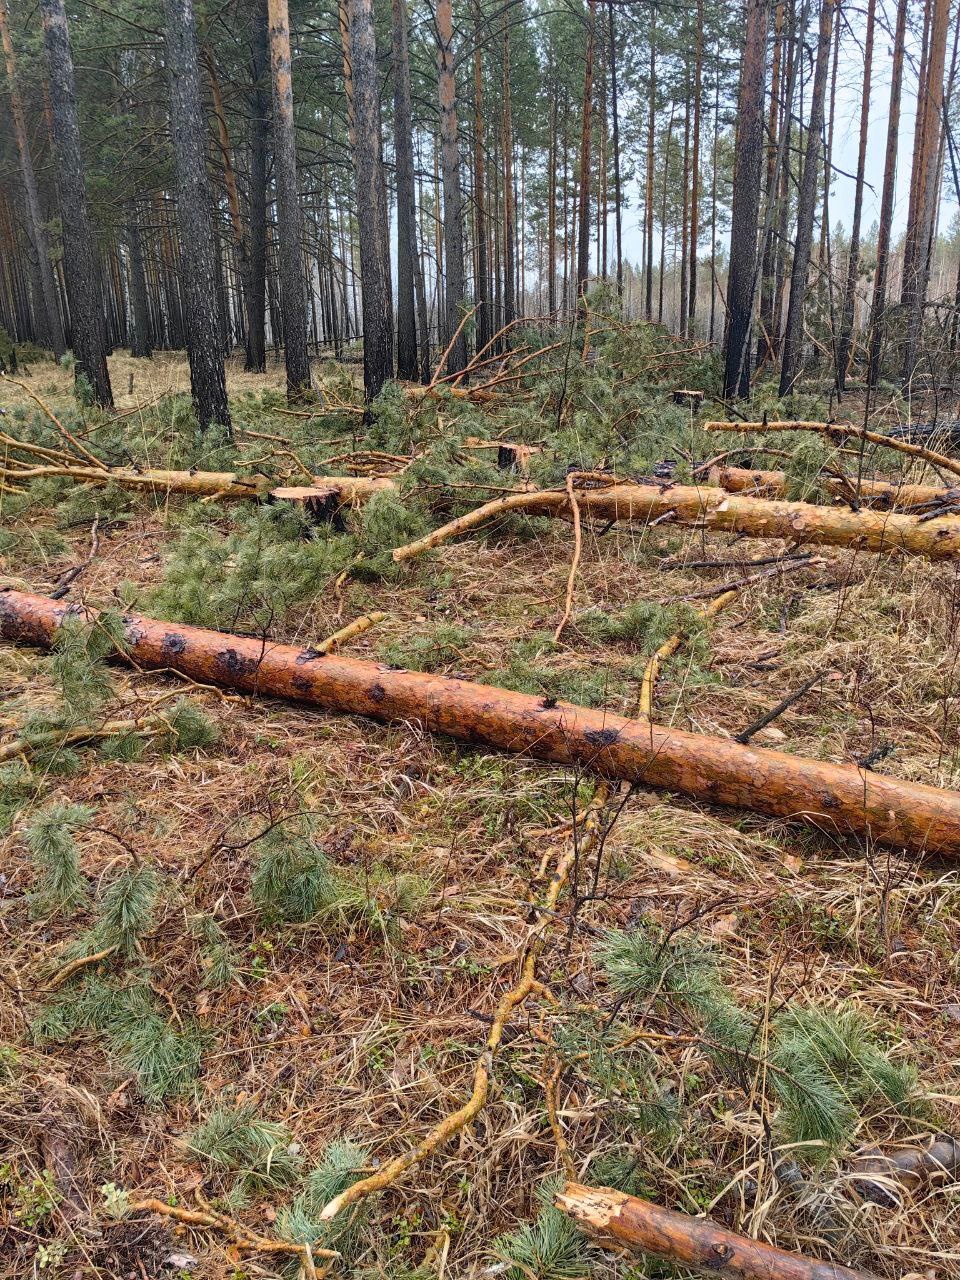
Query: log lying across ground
point(883, 494)
point(834, 798)
point(715, 509)
point(689, 1242)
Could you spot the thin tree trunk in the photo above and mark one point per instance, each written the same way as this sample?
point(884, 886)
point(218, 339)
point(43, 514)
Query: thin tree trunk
point(583, 231)
point(79, 252)
point(51, 331)
point(685, 214)
point(407, 364)
point(293, 293)
point(917, 268)
point(615, 113)
point(484, 316)
point(878, 309)
point(194, 205)
point(454, 280)
point(255, 284)
point(141, 344)
point(372, 199)
point(766, 348)
point(853, 264)
point(695, 166)
point(506, 145)
point(793, 335)
point(651, 138)
point(747, 172)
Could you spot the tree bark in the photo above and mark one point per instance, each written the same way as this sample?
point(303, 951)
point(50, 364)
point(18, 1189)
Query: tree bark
point(293, 288)
point(879, 304)
point(615, 114)
point(806, 207)
point(256, 282)
point(484, 316)
point(745, 212)
point(688, 1242)
point(194, 205)
point(407, 362)
point(651, 137)
point(454, 294)
point(51, 331)
point(853, 264)
point(875, 493)
point(141, 344)
point(509, 228)
point(834, 798)
point(586, 135)
point(84, 294)
point(371, 199)
point(920, 230)
point(720, 512)
point(695, 165)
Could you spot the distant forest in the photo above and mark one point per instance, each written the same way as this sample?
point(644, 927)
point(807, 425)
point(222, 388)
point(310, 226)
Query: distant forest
point(295, 179)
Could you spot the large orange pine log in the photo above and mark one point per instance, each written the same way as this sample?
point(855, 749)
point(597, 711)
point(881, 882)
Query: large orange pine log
point(689, 1242)
point(717, 510)
point(836, 798)
point(875, 493)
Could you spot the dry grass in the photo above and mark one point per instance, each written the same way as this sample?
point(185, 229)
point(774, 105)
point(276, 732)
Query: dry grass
point(336, 1031)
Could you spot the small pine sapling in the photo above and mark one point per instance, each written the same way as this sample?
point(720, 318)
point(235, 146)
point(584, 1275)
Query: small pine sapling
point(238, 1140)
point(552, 1247)
point(127, 910)
point(342, 1165)
point(60, 883)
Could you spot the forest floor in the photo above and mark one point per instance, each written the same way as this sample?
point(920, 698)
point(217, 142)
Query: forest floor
point(368, 1026)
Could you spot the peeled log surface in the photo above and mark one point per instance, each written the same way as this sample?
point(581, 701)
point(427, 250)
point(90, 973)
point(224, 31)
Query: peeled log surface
point(875, 493)
point(690, 1242)
point(835, 798)
point(717, 510)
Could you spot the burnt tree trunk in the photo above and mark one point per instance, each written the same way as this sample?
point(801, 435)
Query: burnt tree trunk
point(84, 294)
point(197, 249)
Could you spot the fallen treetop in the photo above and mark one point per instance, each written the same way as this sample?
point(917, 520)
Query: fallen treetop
point(709, 1248)
point(715, 509)
point(836, 798)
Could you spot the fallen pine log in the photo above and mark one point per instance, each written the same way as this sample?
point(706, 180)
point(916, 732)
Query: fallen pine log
point(875, 493)
point(840, 432)
point(835, 798)
point(223, 485)
point(717, 510)
point(705, 1246)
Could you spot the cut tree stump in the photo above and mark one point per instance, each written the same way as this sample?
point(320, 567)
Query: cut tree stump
point(837, 798)
point(636, 1224)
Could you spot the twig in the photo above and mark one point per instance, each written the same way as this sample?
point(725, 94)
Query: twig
point(775, 712)
point(84, 452)
point(574, 563)
point(242, 1237)
point(350, 631)
point(81, 962)
point(64, 582)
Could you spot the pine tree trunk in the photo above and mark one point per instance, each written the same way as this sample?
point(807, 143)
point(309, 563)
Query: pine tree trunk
point(766, 349)
point(407, 363)
point(141, 342)
point(293, 289)
point(920, 231)
point(194, 204)
point(878, 308)
point(853, 264)
point(651, 138)
point(484, 316)
point(371, 199)
point(793, 335)
point(454, 297)
point(745, 212)
point(51, 330)
point(586, 134)
point(615, 121)
point(255, 285)
point(509, 266)
point(87, 320)
point(695, 166)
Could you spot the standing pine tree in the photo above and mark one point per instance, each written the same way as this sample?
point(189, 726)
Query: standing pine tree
point(194, 205)
point(293, 289)
point(79, 253)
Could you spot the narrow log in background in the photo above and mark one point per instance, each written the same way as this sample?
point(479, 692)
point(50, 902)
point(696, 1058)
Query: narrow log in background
point(705, 1246)
point(874, 493)
point(835, 798)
